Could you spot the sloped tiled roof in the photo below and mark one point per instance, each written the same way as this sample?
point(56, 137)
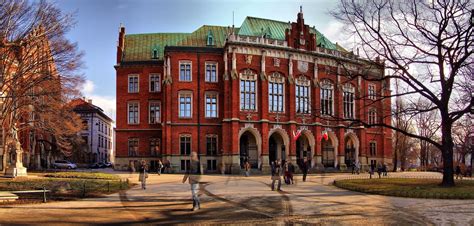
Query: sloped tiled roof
point(139, 47)
point(253, 26)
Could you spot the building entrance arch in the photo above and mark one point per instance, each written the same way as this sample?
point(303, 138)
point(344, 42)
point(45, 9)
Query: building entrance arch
point(250, 143)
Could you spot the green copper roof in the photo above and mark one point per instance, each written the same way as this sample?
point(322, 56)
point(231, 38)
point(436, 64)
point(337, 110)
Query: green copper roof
point(253, 26)
point(140, 47)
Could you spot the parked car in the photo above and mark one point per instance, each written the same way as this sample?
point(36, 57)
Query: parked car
point(96, 165)
point(108, 164)
point(63, 164)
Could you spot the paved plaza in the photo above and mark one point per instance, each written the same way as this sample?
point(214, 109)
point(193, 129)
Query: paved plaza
point(242, 200)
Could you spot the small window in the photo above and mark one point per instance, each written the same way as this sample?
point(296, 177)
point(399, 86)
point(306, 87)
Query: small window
point(211, 72)
point(373, 148)
point(133, 83)
point(133, 114)
point(211, 105)
point(155, 53)
point(185, 144)
point(185, 72)
point(371, 92)
point(185, 105)
point(211, 165)
point(154, 112)
point(210, 39)
point(155, 146)
point(211, 145)
point(132, 147)
point(155, 83)
point(372, 116)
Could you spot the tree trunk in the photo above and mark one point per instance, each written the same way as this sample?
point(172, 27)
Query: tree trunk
point(447, 153)
point(395, 160)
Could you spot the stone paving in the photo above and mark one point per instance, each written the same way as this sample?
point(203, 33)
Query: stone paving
point(242, 200)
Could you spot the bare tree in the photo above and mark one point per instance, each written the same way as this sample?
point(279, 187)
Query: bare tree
point(426, 45)
point(463, 130)
point(38, 68)
point(427, 126)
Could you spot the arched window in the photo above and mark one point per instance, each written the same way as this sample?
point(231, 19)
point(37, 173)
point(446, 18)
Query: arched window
point(276, 92)
point(248, 90)
point(348, 99)
point(372, 116)
point(303, 95)
point(327, 97)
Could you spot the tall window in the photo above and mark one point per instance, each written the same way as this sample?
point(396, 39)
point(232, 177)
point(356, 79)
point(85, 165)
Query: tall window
point(185, 144)
point(211, 72)
point(133, 83)
point(211, 145)
point(373, 148)
point(185, 105)
point(132, 147)
point(276, 93)
point(348, 96)
point(133, 114)
point(303, 94)
point(211, 105)
point(371, 92)
point(154, 112)
point(372, 116)
point(327, 97)
point(185, 71)
point(155, 83)
point(248, 91)
point(155, 146)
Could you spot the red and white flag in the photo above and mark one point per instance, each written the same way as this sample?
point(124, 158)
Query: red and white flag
point(296, 134)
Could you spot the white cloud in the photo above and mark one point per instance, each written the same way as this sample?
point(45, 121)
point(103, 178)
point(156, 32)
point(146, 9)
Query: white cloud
point(88, 87)
point(107, 103)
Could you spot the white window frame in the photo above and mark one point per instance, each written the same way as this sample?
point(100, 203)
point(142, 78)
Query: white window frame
point(190, 143)
point(158, 87)
point(186, 62)
point(217, 143)
point(303, 82)
point(348, 89)
point(206, 95)
point(276, 78)
point(375, 148)
point(138, 83)
point(330, 86)
point(217, 72)
point(128, 146)
point(138, 112)
point(158, 104)
point(183, 93)
point(372, 119)
point(372, 93)
point(248, 75)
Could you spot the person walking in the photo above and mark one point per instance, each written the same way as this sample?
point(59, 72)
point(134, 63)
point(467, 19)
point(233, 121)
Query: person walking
point(305, 168)
point(159, 167)
point(291, 171)
point(286, 174)
point(458, 172)
point(385, 173)
point(357, 166)
point(353, 167)
point(247, 168)
point(379, 169)
point(371, 170)
point(276, 175)
point(193, 176)
point(143, 174)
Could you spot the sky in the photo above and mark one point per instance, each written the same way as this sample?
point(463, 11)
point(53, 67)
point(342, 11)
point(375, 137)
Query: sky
point(98, 22)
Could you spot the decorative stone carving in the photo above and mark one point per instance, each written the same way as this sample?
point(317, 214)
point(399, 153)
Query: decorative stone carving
point(263, 75)
point(226, 69)
point(290, 70)
point(234, 65)
point(248, 59)
point(302, 66)
point(276, 62)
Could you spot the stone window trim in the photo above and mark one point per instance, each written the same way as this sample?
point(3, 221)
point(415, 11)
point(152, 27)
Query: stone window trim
point(157, 118)
point(217, 71)
point(304, 83)
point(349, 101)
point(210, 94)
point(248, 75)
point(186, 62)
point(138, 83)
point(327, 85)
point(138, 112)
point(372, 116)
point(185, 93)
point(276, 77)
point(158, 83)
point(371, 91)
point(189, 140)
point(373, 148)
point(216, 137)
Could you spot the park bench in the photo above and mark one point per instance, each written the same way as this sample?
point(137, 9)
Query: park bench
point(13, 195)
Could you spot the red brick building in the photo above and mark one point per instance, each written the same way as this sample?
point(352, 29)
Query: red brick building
point(236, 94)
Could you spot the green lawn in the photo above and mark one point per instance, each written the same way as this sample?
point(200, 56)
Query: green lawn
point(67, 185)
point(410, 187)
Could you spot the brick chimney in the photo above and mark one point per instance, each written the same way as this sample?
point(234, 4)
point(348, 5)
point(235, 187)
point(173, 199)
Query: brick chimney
point(120, 44)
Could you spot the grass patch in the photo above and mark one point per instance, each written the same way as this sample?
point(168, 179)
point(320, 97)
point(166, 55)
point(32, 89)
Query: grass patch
point(83, 175)
point(410, 187)
point(67, 185)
